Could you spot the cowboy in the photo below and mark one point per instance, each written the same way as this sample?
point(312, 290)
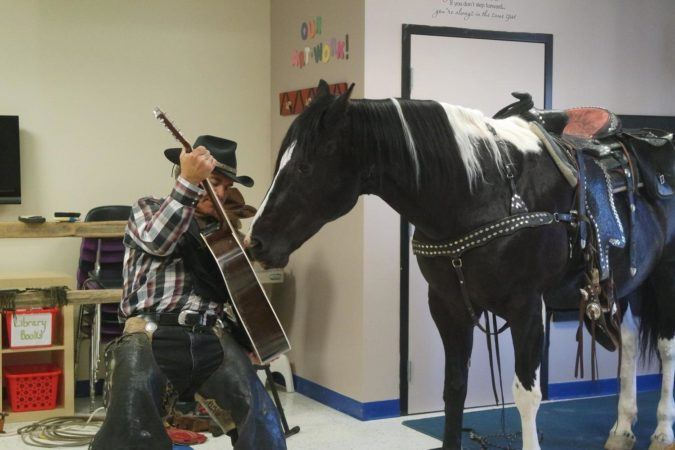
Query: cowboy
point(175, 344)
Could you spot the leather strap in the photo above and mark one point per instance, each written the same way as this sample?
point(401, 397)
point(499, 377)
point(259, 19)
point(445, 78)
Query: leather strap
point(486, 314)
point(581, 192)
point(477, 238)
point(457, 264)
point(491, 358)
point(517, 204)
point(483, 235)
point(631, 187)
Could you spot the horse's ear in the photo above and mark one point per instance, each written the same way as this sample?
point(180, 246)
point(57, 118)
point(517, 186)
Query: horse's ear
point(339, 107)
point(323, 89)
point(347, 94)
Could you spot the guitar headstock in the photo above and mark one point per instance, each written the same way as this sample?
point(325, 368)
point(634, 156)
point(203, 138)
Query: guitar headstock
point(159, 115)
point(206, 184)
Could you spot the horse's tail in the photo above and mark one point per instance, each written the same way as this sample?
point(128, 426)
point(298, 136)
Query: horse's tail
point(649, 313)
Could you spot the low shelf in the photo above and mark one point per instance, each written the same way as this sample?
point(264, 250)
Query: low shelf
point(61, 354)
point(53, 348)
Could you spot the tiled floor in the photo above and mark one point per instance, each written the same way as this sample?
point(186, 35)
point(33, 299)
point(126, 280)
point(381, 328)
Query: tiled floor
point(320, 428)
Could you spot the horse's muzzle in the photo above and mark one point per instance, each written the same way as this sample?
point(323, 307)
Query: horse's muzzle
point(263, 254)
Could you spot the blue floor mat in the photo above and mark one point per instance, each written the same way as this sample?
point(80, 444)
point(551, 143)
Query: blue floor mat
point(565, 425)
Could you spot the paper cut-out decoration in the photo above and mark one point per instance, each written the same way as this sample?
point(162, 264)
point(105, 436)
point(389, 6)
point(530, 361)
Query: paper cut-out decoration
point(294, 102)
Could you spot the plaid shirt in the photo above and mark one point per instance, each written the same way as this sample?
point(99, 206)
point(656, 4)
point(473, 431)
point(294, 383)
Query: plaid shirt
point(155, 278)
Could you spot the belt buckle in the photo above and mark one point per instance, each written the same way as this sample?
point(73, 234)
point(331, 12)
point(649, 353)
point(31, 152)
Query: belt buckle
point(209, 318)
point(183, 317)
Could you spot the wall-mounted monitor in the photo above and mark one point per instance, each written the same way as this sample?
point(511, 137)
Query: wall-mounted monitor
point(10, 167)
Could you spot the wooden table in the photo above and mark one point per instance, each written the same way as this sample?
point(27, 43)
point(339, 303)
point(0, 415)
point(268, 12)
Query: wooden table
point(62, 229)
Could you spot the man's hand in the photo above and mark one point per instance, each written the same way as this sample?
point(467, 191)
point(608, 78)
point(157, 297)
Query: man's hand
point(197, 165)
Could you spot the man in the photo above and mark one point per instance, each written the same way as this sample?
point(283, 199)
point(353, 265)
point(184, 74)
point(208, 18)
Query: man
point(175, 345)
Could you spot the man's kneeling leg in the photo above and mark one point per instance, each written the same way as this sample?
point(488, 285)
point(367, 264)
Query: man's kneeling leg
point(135, 388)
point(235, 387)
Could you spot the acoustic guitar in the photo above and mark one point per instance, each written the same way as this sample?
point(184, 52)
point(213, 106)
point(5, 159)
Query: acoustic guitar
point(251, 305)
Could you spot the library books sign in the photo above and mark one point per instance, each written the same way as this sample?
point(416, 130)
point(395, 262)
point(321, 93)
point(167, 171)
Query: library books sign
point(30, 329)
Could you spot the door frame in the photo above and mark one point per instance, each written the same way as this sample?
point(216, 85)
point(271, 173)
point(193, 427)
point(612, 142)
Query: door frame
point(426, 30)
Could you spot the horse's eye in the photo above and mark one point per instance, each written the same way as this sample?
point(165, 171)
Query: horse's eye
point(303, 169)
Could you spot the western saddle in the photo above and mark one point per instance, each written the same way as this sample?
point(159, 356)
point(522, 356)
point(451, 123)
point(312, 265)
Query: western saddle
point(600, 159)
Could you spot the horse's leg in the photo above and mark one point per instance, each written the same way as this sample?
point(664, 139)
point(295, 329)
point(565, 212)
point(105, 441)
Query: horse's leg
point(621, 436)
point(457, 336)
point(665, 412)
point(527, 330)
point(663, 283)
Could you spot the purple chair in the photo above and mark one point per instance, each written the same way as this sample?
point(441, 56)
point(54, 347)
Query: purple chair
point(100, 267)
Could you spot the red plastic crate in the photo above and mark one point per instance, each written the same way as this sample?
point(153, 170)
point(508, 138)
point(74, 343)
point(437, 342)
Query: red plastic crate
point(32, 387)
point(9, 319)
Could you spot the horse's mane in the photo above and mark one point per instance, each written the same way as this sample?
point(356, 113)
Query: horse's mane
point(420, 142)
point(437, 137)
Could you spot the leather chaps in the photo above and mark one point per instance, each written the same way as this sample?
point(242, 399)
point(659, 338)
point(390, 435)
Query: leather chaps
point(138, 396)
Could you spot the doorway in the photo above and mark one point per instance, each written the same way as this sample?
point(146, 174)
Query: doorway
point(478, 69)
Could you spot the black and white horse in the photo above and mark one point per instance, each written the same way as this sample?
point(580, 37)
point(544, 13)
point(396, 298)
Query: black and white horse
point(441, 167)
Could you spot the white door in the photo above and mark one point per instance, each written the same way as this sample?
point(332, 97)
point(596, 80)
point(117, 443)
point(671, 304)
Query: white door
point(480, 74)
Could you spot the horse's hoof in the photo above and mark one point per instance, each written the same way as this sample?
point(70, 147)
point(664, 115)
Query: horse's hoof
point(621, 441)
point(661, 442)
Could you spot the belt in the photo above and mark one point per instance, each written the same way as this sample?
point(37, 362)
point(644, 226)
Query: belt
point(183, 318)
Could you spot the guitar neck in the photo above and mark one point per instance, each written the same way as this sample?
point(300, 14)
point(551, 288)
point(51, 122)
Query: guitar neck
point(217, 204)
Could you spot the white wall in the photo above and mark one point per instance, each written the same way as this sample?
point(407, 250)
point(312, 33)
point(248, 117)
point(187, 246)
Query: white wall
point(84, 77)
point(321, 302)
point(617, 54)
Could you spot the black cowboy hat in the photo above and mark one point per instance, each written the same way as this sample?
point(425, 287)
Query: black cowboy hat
point(222, 150)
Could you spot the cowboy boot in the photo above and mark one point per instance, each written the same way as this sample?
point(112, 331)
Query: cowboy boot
point(135, 388)
point(234, 393)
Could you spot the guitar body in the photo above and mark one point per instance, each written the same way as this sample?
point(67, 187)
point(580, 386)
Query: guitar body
point(252, 307)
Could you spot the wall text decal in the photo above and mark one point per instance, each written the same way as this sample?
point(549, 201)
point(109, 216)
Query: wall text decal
point(318, 52)
point(493, 10)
